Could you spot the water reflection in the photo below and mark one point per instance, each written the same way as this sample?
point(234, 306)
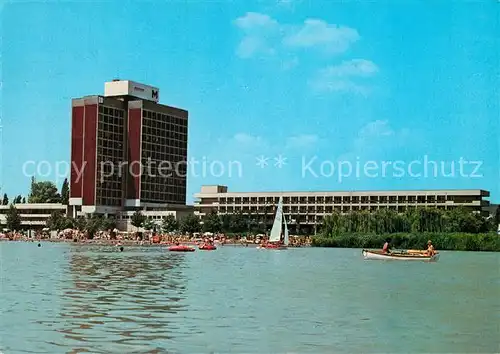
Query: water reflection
point(127, 299)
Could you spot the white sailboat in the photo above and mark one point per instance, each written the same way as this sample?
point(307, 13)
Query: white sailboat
point(276, 230)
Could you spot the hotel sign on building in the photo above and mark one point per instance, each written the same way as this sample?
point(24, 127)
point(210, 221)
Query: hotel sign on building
point(131, 88)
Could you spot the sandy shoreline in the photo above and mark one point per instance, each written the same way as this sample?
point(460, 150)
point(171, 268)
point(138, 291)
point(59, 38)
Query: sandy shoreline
point(134, 243)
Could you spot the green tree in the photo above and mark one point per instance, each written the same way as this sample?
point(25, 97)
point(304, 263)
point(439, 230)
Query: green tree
point(108, 223)
point(496, 217)
point(65, 192)
point(137, 219)
point(67, 223)
point(190, 224)
point(238, 223)
point(24, 200)
point(13, 219)
point(5, 199)
point(226, 222)
point(18, 199)
point(148, 224)
point(92, 225)
point(55, 220)
point(43, 192)
point(80, 223)
point(212, 222)
point(169, 224)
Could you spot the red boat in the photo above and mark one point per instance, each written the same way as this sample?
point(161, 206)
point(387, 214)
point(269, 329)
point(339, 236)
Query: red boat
point(207, 247)
point(181, 248)
point(274, 246)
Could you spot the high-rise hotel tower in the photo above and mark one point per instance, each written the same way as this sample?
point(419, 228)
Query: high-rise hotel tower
point(114, 138)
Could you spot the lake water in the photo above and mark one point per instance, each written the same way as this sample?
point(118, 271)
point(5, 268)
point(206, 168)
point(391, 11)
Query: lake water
point(67, 298)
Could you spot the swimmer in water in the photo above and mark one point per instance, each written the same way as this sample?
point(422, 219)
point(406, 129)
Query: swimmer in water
point(121, 249)
point(39, 245)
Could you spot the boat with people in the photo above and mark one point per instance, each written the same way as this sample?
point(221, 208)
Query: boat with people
point(181, 248)
point(207, 247)
point(278, 230)
point(409, 255)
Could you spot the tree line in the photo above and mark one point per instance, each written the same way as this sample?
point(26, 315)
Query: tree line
point(42, 192)
point(418, 220)
point(212, 222)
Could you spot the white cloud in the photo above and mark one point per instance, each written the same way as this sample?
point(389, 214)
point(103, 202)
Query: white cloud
point(318, 33)
point(265, 35)
point(302, 141)
point(378, 128)
point(345, 77)
point(380, 134)
point(254, 20)
point(251, 45)
point(248, 140)
point(259, 31)
point(377, 138)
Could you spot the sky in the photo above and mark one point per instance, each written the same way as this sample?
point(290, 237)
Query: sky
point(282, 95)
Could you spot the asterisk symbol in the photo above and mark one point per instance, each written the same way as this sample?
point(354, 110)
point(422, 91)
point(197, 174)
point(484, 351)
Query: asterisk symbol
point(280, 161)
point(262, 161)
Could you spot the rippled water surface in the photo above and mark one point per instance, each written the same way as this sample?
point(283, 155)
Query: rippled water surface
point(66, 298)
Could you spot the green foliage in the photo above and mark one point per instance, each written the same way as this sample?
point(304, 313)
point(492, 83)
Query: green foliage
point(18, 199)
point(418, 220)
point(212, 222)
point(190, 224)
point(24, 200)
point(169, 224)
point(455, 229)
point(237, 223)
point(54, 221)
point(80, 223)
point(58, 221)
point(441, 241)
point(92, 225)
point(43, 192)
point(137, 219)
point(107, 224)
point(148, 224)
point(13, 219)
point(5, 200)
point(65, 192)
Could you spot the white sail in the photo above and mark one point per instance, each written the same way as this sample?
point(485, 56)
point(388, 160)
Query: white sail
point(286, 232)
point(276, 230)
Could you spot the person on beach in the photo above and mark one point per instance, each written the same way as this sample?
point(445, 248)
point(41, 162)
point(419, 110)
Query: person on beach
point(386, 248)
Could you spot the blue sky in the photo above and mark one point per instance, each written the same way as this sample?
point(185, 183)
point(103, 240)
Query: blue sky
point(320, 81)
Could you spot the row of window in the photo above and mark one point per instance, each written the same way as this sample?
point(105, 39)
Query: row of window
point(340, 199)
point(161, 128)
point(155, 197)
point(112, 128)
point(153, 119)
point(172, 143)
point(116, 202)
point(111, 111)
point(168, 134)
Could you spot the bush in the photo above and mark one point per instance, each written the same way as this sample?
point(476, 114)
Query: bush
point(441, 241)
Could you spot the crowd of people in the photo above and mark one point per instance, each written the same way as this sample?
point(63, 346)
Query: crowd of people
point(147, 238)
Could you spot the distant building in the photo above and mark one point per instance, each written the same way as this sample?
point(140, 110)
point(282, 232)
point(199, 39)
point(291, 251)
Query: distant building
point(33, 215)
point(124, 218)
point(309, 208)
point(114, 138)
